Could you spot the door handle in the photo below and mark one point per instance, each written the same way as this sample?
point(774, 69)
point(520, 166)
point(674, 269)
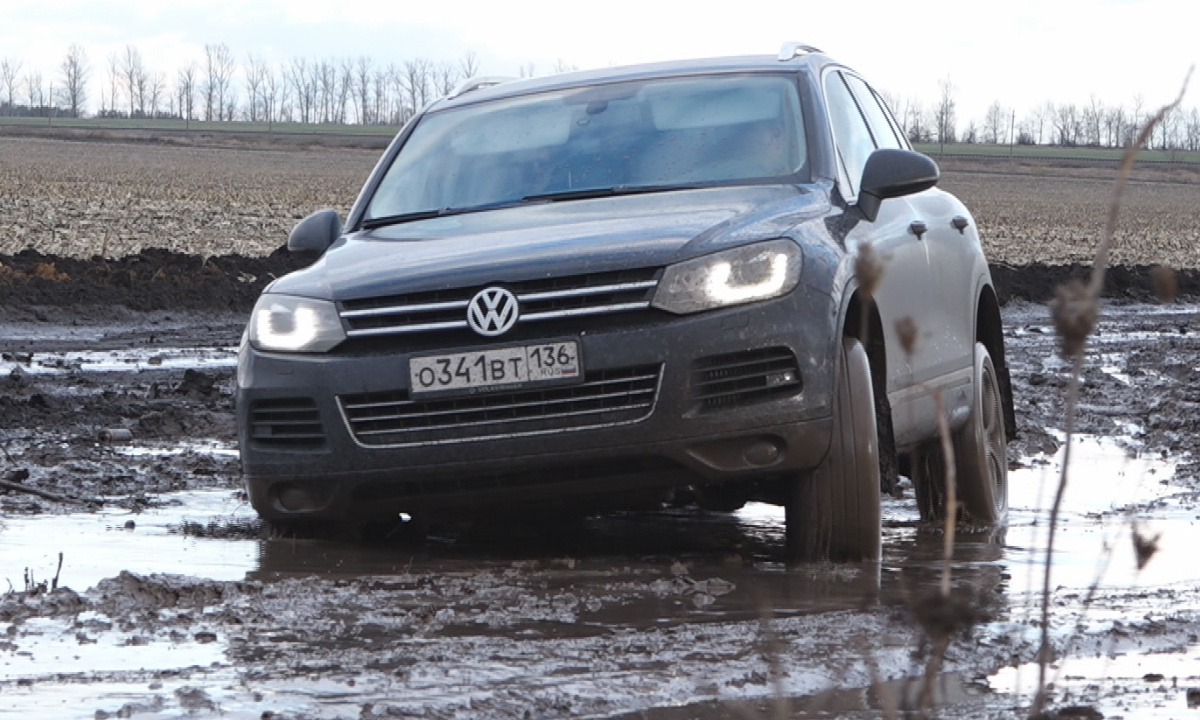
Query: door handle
point(918, 228)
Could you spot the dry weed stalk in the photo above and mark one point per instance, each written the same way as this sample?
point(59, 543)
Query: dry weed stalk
point(1075, 309)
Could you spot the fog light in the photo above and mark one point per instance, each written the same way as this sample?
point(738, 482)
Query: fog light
point(295, 499)
point(762, 452)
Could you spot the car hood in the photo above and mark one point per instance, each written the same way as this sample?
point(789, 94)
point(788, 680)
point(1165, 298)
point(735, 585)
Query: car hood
point(551, 239)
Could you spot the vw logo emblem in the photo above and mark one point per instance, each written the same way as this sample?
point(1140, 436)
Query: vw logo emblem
point(492, 311)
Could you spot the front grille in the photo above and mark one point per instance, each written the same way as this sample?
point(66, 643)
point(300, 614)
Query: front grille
point(287, 421)
point(540, 300)
point(740, 378)
point(606, 397)
point(607, 470)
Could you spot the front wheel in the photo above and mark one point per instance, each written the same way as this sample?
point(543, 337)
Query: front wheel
point(832, 513)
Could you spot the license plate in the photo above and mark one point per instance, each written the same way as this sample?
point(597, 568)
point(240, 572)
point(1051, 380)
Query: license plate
point(495, 368)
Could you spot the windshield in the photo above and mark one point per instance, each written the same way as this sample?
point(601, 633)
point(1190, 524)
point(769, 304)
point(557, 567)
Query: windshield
point(623, 137)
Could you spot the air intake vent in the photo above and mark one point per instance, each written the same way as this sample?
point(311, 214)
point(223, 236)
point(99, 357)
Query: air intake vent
point(741, 378)
point(607, 397)
point(287, 421)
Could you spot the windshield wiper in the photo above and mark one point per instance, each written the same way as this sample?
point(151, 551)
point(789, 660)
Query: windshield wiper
point(372, 223)
point(599, 192)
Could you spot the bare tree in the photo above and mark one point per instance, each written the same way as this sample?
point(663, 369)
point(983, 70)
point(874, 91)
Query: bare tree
point(269, 95)
point(379, 95)
point(945, 114)
point(255, 70)
point(218, 73)
point(185, 86)
point(562, 66)
point(114, 83)
point(1067, 127)
point(399, 113)
point(468, 65)
point(1168, 129)
point(1135, 119)
point(416, 84)
point(133, 74)
point(362, 89)
point(1114, 126)
point(34, 91)
point(971, 134)
point(1192, 131)
point(156, 89)
point(994, 122)
point(918, 128)
point(445, 78)
point(10, 69)
point(300, 79)
point(345, 88)
point(75, 71)
point(1038, 118)
point(326, 76)
point(1093, 120)
point(143, 90)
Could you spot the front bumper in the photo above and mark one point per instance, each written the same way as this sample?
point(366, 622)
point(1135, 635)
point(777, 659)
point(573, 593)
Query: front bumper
point(683, 436)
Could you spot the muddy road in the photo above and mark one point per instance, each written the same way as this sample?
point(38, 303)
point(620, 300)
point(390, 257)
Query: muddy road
point(136, 582)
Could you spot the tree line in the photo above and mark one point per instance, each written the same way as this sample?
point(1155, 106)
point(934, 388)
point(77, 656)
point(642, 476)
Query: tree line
point(1066, 124)
point(217, 87)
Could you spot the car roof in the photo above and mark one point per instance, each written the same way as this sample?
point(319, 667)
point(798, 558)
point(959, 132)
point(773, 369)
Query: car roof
point(495, 88)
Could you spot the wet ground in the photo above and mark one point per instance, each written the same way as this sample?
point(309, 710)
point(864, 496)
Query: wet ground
point(139, 583)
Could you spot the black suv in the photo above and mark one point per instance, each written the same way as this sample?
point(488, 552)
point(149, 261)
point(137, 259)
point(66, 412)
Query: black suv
point(722, 279)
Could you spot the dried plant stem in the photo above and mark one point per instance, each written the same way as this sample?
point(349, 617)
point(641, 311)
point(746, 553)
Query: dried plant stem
point(1090, 302)
point(951, 493)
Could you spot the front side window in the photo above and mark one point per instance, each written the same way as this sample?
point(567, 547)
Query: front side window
point(881, 129)
point(851, 136)
point(621, 137)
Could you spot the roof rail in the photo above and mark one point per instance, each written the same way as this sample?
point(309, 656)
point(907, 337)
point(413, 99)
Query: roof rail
point(792, 49)
point(477, 83)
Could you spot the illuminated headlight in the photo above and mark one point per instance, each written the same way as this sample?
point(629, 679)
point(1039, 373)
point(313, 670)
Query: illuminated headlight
point(741, 275)
point(282, 323)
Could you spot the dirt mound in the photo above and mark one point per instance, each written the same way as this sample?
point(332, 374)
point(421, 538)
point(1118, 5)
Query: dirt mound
point(1037, 282)
point(158, 279)
point(150, 280)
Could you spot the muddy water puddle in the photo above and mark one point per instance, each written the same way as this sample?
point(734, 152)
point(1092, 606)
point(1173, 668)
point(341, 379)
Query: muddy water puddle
point(126, 360)
point(596, 617)
point(99, 545)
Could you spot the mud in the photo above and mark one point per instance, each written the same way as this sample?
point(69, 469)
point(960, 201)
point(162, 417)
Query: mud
point(118, 455)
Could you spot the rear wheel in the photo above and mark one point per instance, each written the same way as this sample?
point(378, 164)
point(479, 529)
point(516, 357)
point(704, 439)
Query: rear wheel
point(980, 448)
point(833, 512)
point(980, 457)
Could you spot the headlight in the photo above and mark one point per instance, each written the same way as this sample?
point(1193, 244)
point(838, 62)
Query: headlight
point(283, 323)
point(741, 275)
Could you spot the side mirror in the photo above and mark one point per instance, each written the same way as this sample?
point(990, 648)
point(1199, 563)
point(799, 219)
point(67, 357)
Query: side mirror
point(893, 173)
point(315, 233)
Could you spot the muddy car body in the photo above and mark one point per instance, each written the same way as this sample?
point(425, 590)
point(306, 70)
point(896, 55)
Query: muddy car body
point(729, 277)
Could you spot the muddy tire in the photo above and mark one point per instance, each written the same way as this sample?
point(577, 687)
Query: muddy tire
point(980, 448)
point(833, 511)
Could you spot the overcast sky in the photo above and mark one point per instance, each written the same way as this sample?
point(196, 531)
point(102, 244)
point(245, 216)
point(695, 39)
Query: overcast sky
point(1018, 52)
